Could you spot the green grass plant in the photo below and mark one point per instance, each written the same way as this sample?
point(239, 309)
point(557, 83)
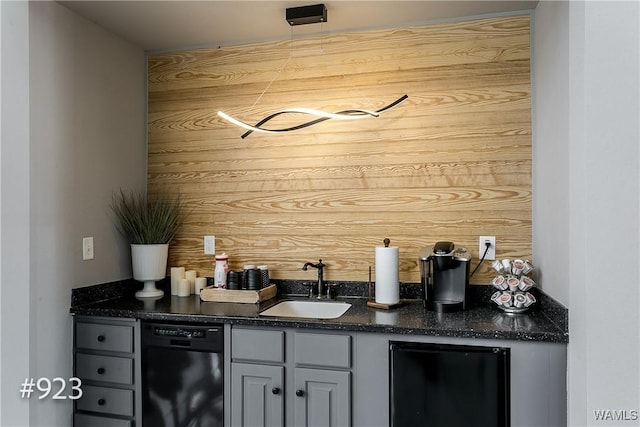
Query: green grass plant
point(143, 219)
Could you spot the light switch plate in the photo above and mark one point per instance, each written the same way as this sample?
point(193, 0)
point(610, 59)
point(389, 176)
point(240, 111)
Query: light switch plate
point(209, 245)
point(87, 248)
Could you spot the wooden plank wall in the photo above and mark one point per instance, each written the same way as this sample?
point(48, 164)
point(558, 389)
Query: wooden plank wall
point(453, 162)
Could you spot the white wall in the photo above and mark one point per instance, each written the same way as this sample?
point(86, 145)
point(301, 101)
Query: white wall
point(611, 212)
point(14, 231)
point(595, 66)
point(85, 119)
point(550, 46)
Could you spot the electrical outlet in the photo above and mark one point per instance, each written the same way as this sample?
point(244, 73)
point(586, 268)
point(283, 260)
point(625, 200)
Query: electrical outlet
point(491, 253)
point(87, 248)
point(209, 245)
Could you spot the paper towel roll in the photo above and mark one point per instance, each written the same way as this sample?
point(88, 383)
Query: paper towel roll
point(387, 285)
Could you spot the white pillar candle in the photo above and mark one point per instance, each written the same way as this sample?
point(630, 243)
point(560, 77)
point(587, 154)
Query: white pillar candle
point(184, 288)
point(191, 275)
point(177, 273)
point(201, 283)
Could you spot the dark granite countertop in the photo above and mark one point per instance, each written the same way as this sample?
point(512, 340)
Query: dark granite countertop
point(546, 323)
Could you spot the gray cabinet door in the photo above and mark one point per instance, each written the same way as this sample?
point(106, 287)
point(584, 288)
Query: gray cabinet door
point(322, 398)
point(257, 395)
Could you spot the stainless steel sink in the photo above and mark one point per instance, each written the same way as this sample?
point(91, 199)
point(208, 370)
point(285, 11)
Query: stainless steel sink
point(308, 309)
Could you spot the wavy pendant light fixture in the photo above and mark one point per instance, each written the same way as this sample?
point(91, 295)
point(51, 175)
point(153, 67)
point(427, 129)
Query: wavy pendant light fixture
point(322, 116)
point(300, 16)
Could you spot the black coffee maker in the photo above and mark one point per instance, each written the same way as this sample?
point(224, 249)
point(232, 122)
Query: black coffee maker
point(444, 272)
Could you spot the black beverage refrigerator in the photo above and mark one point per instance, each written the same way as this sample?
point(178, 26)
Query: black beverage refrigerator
point(438, 385)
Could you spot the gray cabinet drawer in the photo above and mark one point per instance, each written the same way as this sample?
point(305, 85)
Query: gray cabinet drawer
point(84, 420)
point(257, 345)
point(325, 350)
point(106, 400)
point(96, 336)
point(104, 368)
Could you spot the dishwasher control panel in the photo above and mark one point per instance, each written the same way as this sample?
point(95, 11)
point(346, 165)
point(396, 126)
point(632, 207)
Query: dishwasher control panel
point(178, 332)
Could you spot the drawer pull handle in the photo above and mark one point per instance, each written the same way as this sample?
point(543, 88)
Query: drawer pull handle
point(101, 402)
point(100, 338)
point(100, 371)
point(275, 390)
point(299, 393)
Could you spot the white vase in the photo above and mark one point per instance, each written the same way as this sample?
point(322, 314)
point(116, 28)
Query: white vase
point(149, 263)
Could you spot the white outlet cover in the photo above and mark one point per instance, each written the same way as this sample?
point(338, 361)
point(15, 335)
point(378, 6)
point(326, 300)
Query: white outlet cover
point(491, 253)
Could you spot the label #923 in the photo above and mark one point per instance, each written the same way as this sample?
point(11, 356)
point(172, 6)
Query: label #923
point(54, 388)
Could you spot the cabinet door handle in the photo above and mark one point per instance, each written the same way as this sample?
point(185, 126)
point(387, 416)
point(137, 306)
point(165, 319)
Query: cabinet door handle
point(299, 393)
point(100, 371)
point(275, 390)
point(101, 402)
point(100, 338)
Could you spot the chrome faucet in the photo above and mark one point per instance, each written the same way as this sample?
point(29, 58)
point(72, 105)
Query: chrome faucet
point(320, 266)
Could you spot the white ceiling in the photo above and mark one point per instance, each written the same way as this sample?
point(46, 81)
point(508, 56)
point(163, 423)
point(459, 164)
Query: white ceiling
point(160, 25)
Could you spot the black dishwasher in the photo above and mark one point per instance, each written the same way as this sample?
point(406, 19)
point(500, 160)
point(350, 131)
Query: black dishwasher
point(182, 375)
point(439, 385)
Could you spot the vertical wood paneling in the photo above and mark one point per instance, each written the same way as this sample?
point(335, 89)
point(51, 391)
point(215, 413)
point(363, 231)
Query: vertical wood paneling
point(453, 162)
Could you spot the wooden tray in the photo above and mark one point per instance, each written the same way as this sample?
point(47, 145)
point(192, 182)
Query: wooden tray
point(245, 296)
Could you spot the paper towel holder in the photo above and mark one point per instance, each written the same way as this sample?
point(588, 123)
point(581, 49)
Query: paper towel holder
point(371, 302)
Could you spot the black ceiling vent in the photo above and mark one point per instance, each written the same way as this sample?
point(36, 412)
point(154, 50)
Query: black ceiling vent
point(307, 14)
